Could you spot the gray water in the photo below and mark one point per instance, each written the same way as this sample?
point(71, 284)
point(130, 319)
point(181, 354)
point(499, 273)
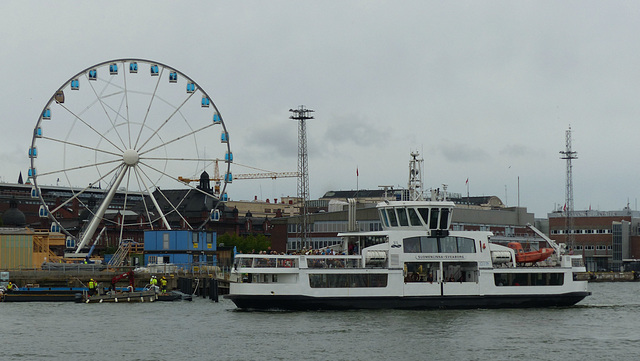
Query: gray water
point(605, 326)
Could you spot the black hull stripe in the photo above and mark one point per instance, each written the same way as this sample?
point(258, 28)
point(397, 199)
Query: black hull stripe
point(439, 302)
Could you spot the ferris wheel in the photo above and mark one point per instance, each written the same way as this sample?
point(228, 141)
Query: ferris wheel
point(124, 130)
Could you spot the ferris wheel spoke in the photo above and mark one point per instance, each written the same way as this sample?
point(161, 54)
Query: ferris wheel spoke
point(153, 199)
point(173, 178)
point(175, 139)
point(126, 101)
point(144, 202)
point(102, 104)
point(124, 207)
point(208, 160)
point(78, 168)
point(167, 121)
point(82, 146)
point(174, 207)
point(153, 96)
point(100, 134)
point(90, 186)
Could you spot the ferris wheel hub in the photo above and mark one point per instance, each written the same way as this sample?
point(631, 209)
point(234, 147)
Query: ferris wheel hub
point(130, 157)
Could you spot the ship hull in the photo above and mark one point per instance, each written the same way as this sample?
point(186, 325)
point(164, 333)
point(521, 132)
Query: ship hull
point(295, 303)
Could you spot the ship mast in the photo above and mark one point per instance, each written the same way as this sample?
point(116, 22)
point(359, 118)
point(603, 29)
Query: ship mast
point(415, 177)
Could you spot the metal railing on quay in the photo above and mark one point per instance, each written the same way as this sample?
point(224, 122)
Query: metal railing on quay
point(193, 270)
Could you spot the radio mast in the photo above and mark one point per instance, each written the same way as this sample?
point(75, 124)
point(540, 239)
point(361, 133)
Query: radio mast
point(569, 155)
point(302, 115)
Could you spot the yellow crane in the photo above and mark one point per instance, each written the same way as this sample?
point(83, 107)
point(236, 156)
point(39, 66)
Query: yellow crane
point(217, 179)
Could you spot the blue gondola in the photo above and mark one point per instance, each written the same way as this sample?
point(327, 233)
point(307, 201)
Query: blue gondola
point(173, 77)
point(216, 118)
point(34, 192)
point(224, 137)
point(55, 227)
point(224, 197)
point(37, 132)
point(228, 177)
point(46, 114)
point(154, 70)
point(31, 173)
point(228, 157)
point(133, 67)
point(191, 87)
point(215, 215)
point(33, 152)
point(75, 84)
point(93, 74)
point(113, 69)
point(43, 212)
point(205, 101)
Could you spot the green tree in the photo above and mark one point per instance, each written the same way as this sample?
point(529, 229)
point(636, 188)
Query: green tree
point(246, 244)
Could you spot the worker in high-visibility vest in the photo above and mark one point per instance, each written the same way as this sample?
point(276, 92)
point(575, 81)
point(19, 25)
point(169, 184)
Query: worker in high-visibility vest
point(163, 285)
point(154, 283)
point(10, 287)
point(93, 287)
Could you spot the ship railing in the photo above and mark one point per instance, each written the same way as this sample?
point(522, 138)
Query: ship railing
point(334, 261)
point(267, 261)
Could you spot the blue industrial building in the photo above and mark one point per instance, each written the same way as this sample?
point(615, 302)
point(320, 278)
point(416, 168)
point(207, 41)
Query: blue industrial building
point(180, 247)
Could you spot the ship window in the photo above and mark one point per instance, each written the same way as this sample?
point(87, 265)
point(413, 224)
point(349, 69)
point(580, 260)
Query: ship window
point(412, 245)
point(413, 217)
point(448, 245)
point(392, 217)
point(460, 271)
point(433, 221)
point(444, 219)
point(429, 245)
point(422, 272)
point(402, 217)
point(384, 218)
point(466, 245)
point(424, 213)
point(364, 280)
point(529, 279)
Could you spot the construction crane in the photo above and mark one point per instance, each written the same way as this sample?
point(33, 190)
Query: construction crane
point(217, 179)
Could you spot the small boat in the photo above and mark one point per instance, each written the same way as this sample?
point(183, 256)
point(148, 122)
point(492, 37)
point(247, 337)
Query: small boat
point(42, 294)
point(531, 256)
point(116, 297)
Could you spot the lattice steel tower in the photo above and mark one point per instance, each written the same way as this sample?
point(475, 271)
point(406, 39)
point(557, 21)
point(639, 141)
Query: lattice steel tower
point(302, 115)
point(569, 155)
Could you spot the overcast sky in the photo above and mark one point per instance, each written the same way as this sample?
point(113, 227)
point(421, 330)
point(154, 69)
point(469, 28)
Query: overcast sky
point(485, 90)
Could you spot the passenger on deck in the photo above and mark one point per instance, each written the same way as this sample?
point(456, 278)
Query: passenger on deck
point(430, 278)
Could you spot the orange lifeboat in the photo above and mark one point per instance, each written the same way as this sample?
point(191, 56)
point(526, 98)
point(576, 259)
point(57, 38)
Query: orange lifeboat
point(531, 256)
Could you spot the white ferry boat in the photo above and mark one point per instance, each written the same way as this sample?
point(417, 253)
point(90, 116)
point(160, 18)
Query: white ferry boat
point(417, 263)
point(414, 262)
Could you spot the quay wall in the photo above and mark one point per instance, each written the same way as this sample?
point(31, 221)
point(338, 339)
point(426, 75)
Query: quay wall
point(198, 284)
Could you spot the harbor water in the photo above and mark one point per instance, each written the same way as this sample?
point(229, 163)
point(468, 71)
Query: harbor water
point(602, 327)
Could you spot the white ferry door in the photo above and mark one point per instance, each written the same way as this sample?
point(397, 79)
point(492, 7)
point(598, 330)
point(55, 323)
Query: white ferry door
point(423, 279)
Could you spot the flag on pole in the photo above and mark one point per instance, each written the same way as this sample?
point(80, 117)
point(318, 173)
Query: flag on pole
point(357, 173)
